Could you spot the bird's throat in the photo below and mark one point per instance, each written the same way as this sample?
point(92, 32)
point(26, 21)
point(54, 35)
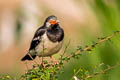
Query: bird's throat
point(54, 26)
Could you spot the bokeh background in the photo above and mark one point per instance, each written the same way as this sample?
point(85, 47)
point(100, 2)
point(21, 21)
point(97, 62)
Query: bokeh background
point(82, 20)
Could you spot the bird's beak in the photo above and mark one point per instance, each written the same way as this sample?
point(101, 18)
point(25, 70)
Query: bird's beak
point(54, 21)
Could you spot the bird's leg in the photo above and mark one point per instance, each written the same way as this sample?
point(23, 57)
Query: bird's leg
point(41, 60)
point(54, 61)
point(42, 63)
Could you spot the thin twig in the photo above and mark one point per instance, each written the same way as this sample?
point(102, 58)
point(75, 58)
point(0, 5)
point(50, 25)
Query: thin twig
point(91, 46)
point(66, 47)
point(75, 74)
point(101, 72)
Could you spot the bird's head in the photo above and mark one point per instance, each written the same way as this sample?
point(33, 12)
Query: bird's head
point(51, 21)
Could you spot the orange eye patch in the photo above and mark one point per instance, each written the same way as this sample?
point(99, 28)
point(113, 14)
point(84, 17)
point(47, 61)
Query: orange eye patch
point(52, 21)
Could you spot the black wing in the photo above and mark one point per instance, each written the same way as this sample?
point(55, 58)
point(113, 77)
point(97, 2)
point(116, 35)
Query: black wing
point(37, 38)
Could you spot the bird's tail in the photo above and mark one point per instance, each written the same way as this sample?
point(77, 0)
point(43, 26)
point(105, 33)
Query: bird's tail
point(28, 57)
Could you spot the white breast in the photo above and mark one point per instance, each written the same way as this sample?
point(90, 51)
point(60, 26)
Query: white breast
point(47, 47)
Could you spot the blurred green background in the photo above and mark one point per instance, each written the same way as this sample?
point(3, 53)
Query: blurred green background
point(82, 20)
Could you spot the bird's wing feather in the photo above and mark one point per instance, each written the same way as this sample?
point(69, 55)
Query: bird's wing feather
point(37, 38)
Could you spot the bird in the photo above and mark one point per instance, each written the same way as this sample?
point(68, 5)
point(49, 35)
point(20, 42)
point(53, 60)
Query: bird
point(47, 40)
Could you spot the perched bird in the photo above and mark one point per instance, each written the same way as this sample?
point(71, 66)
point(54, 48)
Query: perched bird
point(47, 40)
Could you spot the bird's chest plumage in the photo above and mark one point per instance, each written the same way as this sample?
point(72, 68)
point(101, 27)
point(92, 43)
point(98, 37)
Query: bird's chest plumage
point(47, 47)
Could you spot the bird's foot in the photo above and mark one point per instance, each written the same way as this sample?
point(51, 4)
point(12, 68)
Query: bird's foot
point(54, 61)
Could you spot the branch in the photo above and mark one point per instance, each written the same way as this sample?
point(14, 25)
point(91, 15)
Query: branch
point(101, 72)
point(89, 48)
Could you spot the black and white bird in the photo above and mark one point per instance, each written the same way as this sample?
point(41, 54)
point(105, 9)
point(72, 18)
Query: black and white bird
point(47, 40)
